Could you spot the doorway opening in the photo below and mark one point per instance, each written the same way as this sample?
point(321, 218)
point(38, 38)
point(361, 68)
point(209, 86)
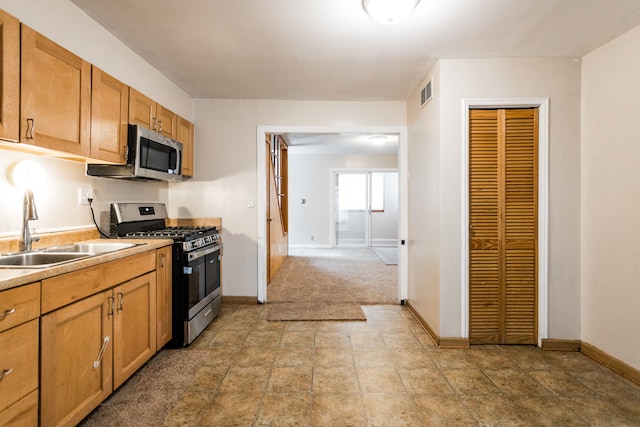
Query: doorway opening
point(325, 206)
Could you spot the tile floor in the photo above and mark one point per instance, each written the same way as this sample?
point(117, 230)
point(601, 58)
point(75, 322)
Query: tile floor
point(245, 371)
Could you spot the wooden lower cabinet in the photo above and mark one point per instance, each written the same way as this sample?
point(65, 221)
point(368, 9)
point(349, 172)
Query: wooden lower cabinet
point(134, 326)
point(76, 359)
point(18, 363)
point(23, 413)
point(91, 347)
point(164, 299)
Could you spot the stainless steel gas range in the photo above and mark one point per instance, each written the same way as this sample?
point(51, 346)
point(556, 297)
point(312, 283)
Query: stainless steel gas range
point(197, 252)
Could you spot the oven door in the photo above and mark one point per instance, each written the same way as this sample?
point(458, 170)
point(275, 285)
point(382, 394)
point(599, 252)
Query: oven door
point(202, 272)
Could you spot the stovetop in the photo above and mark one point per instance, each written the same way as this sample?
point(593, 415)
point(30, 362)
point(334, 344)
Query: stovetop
point(147, 220)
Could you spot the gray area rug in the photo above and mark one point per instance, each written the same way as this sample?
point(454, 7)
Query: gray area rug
point(387, 254)
point(330, 284)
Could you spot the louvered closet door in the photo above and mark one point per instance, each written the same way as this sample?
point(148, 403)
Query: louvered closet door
point(503, 226)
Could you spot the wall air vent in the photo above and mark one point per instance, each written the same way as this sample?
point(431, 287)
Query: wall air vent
point(426, 93)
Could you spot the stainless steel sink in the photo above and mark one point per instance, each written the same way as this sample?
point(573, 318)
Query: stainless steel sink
point(39, 259)
point(55, 255)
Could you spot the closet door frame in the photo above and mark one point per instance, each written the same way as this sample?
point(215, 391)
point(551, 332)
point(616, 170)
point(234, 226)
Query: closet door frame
point(542, 104)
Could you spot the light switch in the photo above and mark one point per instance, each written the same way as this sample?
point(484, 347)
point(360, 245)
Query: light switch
point(251, 202)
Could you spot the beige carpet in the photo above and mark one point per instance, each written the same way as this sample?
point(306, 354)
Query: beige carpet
point(330, 284)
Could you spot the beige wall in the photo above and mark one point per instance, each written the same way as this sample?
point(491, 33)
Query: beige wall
point(226, 169)
point(611, 198)
point(557, 79)
point(310, 179)
point(423, 128)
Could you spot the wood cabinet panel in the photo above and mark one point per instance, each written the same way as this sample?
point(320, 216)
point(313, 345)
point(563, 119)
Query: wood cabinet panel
point(185, 135)
point(55, 96)
point(164, 297)
point(109, 117)
point(134, 326)
point(22, 413)
point(67, 288)
point(18, 362)
point(9, 77)
point(19, 305)
point(72, 382)
point(167, 122)
point(142, 110)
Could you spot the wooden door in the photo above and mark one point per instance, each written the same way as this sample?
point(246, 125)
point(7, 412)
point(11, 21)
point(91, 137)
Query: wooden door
point(142, 110)
point(185, 134)
point(134, 326)
point(9, 76)
point(55, 97)
point(75, 360)
point(109, 117)
point(503, 226)
point(164, 298)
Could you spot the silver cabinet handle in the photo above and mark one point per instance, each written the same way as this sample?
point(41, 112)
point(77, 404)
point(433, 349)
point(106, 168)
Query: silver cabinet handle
point(5, 372)
point(7, 312)
point(111, 306)
point(31, 123)
point(161, 260)
point(105, 341)
point(120, 300)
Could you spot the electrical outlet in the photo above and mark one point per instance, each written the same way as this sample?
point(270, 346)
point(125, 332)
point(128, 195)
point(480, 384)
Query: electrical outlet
point(84, 194)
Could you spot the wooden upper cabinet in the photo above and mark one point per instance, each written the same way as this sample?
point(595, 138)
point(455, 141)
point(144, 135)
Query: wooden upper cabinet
point(142, 110)
point(166, 122)
point(55, 99)
point(109, 117)
point(9, 77)
point(186, 136)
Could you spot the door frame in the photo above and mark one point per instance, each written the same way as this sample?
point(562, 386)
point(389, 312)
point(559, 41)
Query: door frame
point(401, 131)
point(543, 204)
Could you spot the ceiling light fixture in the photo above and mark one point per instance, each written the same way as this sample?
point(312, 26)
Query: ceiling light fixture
point(389, 11)
point(378, 139)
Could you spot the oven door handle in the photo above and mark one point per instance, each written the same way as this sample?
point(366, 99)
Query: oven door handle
point(203, 252)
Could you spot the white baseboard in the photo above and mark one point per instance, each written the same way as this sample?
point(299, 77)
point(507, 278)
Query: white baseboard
point(294, 246)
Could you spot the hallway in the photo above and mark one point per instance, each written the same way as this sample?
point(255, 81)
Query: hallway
point(245, 371)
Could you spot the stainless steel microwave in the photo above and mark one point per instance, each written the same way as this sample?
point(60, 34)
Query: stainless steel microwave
point(150, 156)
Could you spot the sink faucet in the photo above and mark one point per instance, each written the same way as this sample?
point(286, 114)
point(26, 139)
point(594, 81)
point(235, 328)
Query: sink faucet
point(29, 213)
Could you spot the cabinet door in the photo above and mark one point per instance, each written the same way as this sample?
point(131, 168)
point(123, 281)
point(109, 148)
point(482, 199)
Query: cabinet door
point(9, 76)
point(134, 326)
point(55, 97)
point(186, 136)
point(109, 117)
point(18, 363)
point(142, 110)
point(167, 122)
point(163, 297)
point(76, 359)
point(22, 413)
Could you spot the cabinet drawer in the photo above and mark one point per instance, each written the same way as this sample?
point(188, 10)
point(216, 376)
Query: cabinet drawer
point(18, 362)
point(71, 287)
point(19, 305)
point(22, 413)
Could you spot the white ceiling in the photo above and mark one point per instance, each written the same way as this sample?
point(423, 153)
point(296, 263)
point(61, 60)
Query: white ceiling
point(332, 50)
